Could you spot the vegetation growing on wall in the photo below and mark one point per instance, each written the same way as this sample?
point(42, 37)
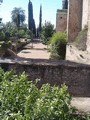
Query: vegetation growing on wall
point(80, 40)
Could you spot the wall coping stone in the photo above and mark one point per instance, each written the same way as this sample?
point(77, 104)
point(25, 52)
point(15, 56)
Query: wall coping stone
point(45, 62)
point(62, 10)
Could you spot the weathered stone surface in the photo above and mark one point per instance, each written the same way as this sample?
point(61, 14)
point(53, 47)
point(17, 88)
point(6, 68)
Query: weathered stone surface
point(75, 76)
point(88, 36)
point(61, 20)
point(74, 19)
point(85, 13)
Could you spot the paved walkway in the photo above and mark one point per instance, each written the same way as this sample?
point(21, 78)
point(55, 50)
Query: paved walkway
point(35, 50)
point(82, 104)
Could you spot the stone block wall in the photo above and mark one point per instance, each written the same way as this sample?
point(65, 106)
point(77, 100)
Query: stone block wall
point(75, 76)
point(61, 20)
point(88, 35)
point(74, 19)
point(85, 13)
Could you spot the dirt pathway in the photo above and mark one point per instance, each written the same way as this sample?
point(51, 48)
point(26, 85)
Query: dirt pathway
point(35, 50)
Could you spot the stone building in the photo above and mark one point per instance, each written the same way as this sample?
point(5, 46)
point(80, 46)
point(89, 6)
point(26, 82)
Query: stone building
point(74, 19)
point(61, 17)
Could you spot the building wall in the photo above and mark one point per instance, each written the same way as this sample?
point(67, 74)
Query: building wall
point(61, 20)
point(85, 13)
point(88, 35)
point(74, 19)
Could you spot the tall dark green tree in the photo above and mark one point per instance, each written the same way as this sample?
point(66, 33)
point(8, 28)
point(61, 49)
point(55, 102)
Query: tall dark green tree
point(65, 4)
point(0, 4)
point(18, 16)
point(40, 19)
point(30, 16)
point(34, 28)
point(31, 21)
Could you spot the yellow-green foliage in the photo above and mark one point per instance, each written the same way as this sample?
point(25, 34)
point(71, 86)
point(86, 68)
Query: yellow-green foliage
point(80, 40)
point(20, 99)
point(58, 45)
point(2, 35)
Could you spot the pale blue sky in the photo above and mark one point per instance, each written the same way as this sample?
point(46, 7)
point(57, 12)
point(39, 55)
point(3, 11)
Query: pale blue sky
point(49, 8)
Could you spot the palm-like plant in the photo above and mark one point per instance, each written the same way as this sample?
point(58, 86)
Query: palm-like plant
point(18, 16)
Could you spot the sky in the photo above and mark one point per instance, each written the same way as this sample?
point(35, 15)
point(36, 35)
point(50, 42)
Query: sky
point(49, 8)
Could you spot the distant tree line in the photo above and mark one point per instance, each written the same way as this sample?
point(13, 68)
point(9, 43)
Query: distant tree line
point(31, 22)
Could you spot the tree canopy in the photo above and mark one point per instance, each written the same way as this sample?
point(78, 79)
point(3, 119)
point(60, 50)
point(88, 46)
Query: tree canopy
point(47, 32)
point(18, 16)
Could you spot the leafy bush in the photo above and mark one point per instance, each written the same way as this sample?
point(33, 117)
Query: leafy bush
point(58, 45)
point(47, 32)
point(21, 33)
point(7, 36)
point(13, 92)
point(20, 99)
point(2, 35)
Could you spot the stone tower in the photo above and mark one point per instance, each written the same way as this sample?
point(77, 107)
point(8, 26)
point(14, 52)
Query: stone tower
point(61, 17)
point(74, 23)
point(65, 4)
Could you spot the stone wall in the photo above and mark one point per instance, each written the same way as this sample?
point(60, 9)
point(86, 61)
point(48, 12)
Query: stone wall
point(85, 13)
point(88, 36)
point(74, 19)
point(75, 76)
point(61, 20)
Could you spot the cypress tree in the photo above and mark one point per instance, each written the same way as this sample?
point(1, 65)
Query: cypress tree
point(34, 28)
point(65, 4)
point(30, 16)
point(0, 4)
point(40, 19)
point(31, 21)
point(18, 20)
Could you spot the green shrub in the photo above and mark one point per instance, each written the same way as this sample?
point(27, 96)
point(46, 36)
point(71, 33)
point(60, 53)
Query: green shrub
point(81, 39)
point(2, 35)
point(14, 31)
point(20, 99)
point(19, 41)
point(21, 33)
point(13, 93)
point(47, 32)
point(7, 36)
point(58, 45)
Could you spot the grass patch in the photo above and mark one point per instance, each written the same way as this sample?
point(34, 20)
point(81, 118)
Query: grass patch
point(80, 40)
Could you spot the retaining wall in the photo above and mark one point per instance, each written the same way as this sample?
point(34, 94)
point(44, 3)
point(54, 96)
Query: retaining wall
point(75, 76)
